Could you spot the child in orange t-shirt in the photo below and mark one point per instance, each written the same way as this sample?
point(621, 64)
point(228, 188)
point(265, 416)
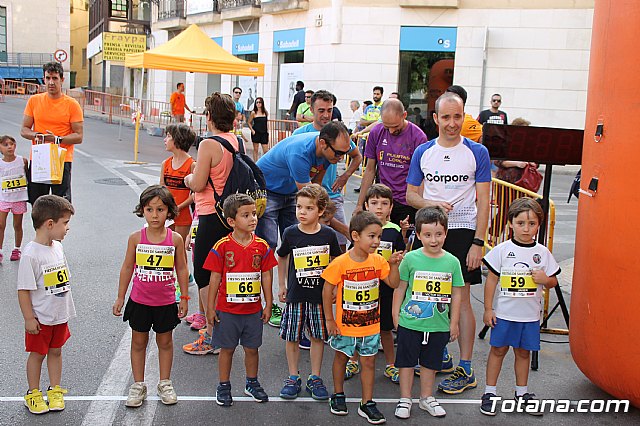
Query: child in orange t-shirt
point(355, 277)
point(179, 139)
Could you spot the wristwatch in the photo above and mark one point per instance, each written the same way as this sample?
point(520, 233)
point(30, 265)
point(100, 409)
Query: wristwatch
point(478, 242)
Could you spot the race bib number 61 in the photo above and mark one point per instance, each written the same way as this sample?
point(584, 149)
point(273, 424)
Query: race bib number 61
point(56, 278)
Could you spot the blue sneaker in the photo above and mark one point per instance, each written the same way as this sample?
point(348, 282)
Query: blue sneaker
point(292, 387)
point(304, 343)
point(447, 365)
point(458, 382)
point(255, 391)
point(223, 395)
point(317, 389)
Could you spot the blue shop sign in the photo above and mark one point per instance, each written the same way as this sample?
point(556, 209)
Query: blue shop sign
point(217, 40)
point(288, 40)
point(428, 39)
point(245, 44)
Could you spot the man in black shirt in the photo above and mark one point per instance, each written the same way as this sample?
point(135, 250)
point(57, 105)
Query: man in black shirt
point(493, 115)
point(298, 98)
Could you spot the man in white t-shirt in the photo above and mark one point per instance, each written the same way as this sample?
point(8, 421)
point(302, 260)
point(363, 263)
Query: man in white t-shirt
point(454, 173)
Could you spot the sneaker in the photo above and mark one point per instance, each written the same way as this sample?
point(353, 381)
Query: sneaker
point(137, 394)
point(370, 412)
point(487, 407)
point(201, 346)
point(458, 382)
point(317, 389)
point(216, 350)
point(393, 373)
point(403, 409)
point(255, 391)
point(416, 370)
point(447, 365)
point(292, 387)
point(531, 404)
point(192, 282)
point(190, 318)
point(34, 401)
point(356, 190)
point(338, 404)
point(304, 343)
point(15, 255)
point(55, 398)
point(432, 406)
point(166, 392)
point(353, 368)
point(276, 316)
point(199, 322)
point(223, 395)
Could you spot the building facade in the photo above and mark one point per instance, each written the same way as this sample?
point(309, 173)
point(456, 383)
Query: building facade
point(25, 44)
point(79, 37)
point(535, 54)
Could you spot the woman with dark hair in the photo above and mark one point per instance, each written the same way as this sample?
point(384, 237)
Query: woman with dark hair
point(212, 169)
point(258, 125)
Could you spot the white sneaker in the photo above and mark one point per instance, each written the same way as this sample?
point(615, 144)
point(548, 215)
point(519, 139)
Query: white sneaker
point(431, 406)
point(137, 394)
point(166, 392)
point(403, 409)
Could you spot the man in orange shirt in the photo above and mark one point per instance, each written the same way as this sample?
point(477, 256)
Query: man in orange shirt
point(178, 104)
point(56, 116)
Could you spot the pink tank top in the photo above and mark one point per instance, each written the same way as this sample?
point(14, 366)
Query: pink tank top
point(205, 202)
point(153, 274)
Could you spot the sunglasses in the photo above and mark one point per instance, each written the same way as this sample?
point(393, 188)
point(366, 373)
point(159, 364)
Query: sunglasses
point(496, 100)
point(337, 152)
point(237, 93)
point(258, 102)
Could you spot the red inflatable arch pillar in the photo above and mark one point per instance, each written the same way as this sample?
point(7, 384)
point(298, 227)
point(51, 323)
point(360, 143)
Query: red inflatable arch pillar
point(605, 299)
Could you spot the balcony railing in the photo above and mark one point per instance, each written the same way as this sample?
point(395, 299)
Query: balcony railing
point(169, 9)
point(230, 4)
point(25, 59)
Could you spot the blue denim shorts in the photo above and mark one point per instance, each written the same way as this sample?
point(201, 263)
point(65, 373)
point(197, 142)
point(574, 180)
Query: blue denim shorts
point(365, 346)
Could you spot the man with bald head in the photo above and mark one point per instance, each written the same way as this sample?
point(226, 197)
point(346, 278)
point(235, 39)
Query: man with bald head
point(454, 172)
point(389, 149)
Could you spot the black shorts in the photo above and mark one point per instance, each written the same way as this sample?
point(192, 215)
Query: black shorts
point(412, 351)
point(458, 243)
point(142, 317)
point(210, 230)
point(386, 307)
point(37, 190)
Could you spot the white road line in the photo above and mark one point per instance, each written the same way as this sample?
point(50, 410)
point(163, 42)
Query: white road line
point(104, 164)
point(102, 411)
point(105, 398)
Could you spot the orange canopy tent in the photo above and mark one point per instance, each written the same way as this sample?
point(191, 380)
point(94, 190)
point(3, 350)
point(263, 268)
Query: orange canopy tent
point(193, 51)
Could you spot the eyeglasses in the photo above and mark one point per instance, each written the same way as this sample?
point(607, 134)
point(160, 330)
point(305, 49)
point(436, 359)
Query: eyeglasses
point(237, 93)
point(496, 100)
point(337, 152)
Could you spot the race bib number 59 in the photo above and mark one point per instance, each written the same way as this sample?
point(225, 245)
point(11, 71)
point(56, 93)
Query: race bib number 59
point(517, 282)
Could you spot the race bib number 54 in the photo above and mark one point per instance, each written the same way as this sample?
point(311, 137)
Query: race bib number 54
point(56, 278)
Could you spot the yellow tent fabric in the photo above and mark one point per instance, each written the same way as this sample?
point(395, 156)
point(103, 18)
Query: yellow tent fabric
point(193, 51)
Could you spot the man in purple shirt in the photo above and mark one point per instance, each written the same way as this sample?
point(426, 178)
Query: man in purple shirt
point(389, 150)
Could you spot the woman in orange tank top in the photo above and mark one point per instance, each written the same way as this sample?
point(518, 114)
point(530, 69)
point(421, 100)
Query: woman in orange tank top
point(179, 139)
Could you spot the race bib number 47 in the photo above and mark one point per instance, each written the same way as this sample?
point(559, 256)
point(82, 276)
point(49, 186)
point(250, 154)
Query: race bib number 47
point(56, 278)
point(243, 287)
point(517, 282)
point(431, 287)
point(155, 261)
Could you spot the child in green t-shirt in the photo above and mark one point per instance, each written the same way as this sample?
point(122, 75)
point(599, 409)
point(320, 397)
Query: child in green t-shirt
point(427, 316)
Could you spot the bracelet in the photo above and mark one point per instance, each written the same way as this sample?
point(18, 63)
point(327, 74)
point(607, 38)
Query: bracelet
point(478, 242)
point(185, 298)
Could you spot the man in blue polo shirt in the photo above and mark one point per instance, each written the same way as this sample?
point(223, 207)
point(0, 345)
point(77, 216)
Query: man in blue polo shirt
point(321, 106)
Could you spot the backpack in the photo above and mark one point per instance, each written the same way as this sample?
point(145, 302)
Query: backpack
point(245, 177)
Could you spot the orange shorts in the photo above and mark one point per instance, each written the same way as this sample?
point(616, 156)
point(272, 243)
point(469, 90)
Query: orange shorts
point(184, 217)
point(50, 336)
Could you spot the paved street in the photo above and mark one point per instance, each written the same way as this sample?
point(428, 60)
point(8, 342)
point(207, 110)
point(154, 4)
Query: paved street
point(96, 358)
